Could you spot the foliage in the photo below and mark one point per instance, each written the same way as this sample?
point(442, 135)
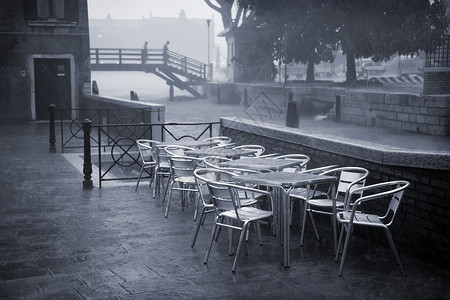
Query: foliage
point(310, 31)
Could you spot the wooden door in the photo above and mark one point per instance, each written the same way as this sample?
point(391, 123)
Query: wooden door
point(52, 85)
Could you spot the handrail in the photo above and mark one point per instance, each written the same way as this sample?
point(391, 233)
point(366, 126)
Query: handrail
point(119, 56)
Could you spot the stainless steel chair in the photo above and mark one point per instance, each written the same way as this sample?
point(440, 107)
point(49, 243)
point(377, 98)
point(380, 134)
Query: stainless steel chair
point(181, 179)
point(222, 140)
point(349, 178)
point(302, 159)
point(230, 213)
point(147, 160)
point(350, 216)
point(258, 148)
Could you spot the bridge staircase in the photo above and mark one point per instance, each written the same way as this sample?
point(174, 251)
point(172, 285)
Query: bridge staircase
point(177, 70)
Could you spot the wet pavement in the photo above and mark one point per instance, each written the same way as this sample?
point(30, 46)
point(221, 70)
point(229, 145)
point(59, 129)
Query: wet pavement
point(58, 241)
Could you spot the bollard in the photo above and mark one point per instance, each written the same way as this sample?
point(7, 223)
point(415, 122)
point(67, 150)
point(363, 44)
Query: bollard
point(338, 108)
point(171, 97)
point(245, 98)
point(52, 137)
point(292, 119)
point(87, 166)
point(95, 90)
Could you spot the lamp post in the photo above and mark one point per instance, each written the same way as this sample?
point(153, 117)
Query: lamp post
point(208, 21)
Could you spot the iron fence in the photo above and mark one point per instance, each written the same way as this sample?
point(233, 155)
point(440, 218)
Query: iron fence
point(438, 51)
point(72, 130)
point(117, 154)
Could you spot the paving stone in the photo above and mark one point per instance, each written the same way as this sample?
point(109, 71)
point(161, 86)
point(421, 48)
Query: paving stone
point(58, 241)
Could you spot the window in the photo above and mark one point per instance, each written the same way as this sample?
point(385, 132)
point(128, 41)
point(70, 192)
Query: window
point(51, 11)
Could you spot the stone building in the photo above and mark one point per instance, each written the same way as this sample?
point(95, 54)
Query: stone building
point(44, 56)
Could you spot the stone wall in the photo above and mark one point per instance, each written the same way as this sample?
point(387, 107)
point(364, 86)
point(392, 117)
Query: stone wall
point(422, 226)
point(120, 111)
point(414, 113)
point(428, 114)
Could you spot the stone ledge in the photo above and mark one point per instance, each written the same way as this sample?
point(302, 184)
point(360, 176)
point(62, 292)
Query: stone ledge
point(373, 152)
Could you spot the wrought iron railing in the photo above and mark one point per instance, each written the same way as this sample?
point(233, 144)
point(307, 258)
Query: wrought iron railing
point(438, 51)
point(118, 156)
point(71, 122)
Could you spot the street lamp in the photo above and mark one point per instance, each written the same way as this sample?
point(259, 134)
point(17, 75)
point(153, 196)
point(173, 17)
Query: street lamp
point(208, 21)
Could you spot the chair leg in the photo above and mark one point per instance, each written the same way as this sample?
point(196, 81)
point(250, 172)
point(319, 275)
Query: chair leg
point(305, 207)
point(339, 247)
point(344, 251)
point(394, 250)
point(197, 205)
point(169, 187)
point(230, 239)
point(258, 230)
point(139, 179)
point(311, 216)
point(200, 223)
point(211, 240)
point(166, 187)
point(241, 238)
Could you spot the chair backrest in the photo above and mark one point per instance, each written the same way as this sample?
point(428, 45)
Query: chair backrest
point(181, 166)
point(221, 197)
point(222, 140)
point(350, 178)
point(320, 170)
point(145, 150)
point(258, 148)
point(204, 175)
point(390, 189)
point(214, 161)
point(302, 160)
point(177, 150)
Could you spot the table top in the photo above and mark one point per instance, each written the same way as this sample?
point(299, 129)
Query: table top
point(284, 179)
point(189, 143)
point(259, 163)
point(223, 152)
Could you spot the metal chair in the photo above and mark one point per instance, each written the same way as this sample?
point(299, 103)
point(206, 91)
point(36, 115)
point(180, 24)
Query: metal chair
point(230, 213)
point(301, 193)
point(214, 161)
point(162, 169)
point(177, 150)
point(349, 178)
point(222, 140)
point(351, 217)
point(301, 158)
point(181, 179)
point(148, 162)
point(258, 148)
point(202, 176)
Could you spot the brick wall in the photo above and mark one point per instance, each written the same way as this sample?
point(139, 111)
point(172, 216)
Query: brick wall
point(413, 113)
point(422, 226)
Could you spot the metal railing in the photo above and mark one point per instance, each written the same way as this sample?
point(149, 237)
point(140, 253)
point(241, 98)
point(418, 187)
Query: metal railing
point(71, 122)
point(118, 156)
point(133, 56)
point(438, 51)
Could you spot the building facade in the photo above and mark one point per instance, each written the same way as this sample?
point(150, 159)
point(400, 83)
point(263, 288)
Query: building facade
point(44, 56)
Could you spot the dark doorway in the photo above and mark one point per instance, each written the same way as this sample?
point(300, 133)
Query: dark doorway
point(52, 85)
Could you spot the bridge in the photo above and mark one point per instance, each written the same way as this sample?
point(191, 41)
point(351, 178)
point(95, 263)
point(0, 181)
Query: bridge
point(176, 69)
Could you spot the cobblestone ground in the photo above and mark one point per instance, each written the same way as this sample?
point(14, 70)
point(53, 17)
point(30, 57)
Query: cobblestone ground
point(58, 241)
